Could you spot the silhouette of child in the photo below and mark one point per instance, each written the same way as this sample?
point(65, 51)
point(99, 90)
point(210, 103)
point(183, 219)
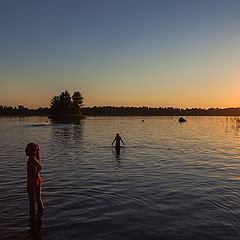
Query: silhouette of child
point(118, 139)
point(34, 180)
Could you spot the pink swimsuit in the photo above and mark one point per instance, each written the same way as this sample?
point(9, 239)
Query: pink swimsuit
point(33, 179)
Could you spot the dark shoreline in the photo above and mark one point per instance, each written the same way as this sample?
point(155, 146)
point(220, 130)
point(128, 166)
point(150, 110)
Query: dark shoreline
point(125, 111)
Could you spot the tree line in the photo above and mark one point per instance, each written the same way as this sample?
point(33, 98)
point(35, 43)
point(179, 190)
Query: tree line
point(161, 111)
point(116, 111)
point(23, 111)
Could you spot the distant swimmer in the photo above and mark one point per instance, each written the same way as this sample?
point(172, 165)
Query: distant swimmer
point(118, 139)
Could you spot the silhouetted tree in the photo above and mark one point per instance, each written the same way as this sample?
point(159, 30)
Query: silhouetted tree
point(55, 107)
point(77, 102)
point(65, 102)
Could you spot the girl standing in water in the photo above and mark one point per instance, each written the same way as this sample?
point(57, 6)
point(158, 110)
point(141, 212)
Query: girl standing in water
point(34, 180)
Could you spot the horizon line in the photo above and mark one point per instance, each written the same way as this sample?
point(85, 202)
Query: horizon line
point(124, 106)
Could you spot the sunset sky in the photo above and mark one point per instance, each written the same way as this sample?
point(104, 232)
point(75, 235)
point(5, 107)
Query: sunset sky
point(179, 53)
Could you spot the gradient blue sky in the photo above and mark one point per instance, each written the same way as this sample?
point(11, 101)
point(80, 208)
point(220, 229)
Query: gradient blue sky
point(182, 53)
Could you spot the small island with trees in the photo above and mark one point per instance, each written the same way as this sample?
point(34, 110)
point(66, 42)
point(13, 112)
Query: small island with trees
point(66, 108)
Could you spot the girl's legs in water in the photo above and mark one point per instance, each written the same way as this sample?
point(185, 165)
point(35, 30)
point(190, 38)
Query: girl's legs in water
point(31, 196)
point(38, 196)
point(117, 148)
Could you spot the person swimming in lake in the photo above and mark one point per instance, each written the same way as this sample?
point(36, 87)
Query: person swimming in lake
point(34, 180)
point(117, 139)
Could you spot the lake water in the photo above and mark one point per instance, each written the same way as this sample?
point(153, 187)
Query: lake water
point(171, 180)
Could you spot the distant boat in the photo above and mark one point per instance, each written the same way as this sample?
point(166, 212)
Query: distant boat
point(181, 119)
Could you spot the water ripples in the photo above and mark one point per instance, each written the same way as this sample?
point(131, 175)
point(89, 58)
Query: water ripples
point(171, 181)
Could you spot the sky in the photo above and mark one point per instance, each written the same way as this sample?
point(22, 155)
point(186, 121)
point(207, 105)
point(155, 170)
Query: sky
point(155, 53)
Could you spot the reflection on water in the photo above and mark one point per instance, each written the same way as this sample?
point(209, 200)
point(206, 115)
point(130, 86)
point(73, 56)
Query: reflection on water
point(62, 134)
point(170, 181)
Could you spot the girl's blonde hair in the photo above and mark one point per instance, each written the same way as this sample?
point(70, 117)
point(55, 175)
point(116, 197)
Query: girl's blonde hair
point(33, 149)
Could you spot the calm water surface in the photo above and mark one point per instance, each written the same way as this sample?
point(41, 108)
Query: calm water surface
point(171, 180)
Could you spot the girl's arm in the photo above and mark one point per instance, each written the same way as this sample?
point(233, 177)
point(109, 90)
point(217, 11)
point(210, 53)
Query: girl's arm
point(122, 141)
point(37, 166)
point(33, 167)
